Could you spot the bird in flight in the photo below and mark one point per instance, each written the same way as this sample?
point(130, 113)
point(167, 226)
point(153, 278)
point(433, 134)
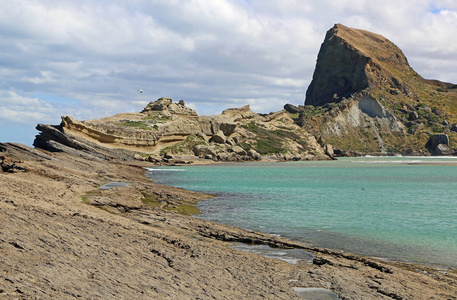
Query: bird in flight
point(140, 90)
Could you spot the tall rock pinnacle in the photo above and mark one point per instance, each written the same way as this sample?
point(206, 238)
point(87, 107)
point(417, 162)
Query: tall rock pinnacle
point(351, 60)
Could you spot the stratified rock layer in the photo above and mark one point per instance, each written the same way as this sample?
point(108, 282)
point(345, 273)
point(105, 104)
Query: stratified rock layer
point(366, 99)
point(164, 127)
point(351, 60)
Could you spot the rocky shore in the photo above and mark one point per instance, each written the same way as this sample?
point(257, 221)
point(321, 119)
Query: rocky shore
point(62, 237)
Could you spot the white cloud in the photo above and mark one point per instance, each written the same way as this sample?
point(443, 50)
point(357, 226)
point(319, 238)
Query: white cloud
point(93, 55)
point(18, 109)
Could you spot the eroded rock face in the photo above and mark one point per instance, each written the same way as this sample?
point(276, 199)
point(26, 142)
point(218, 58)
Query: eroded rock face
point(166, 104)
point(365, 97)
point(10, 165)
point(439, 145)
point(351, 60)
point(166, 127)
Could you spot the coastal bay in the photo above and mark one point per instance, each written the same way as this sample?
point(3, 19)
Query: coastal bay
point(400, 208)
point(62, 237)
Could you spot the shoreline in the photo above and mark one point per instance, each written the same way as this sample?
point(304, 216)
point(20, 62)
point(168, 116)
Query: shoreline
point(65, 238)
point(398, 259)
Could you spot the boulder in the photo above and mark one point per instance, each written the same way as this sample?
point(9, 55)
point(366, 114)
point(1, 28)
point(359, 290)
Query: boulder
point(437, 139)
point(412, 116)
point(438, 144)
point(442, 149)
point(203, 136)
point(166, 105)
point(230, 142)
point(227, 128)
point(168, 156)
point(154, 159)
point(237, 139)
point(138, 156)
point(254, 154)
point(203, 150)
point(219, 137)
point(291, 108)
point(238, 150)
point(160, 104)
point(223, 156)
point(329, 150)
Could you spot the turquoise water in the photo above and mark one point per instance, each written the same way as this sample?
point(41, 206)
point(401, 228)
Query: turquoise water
point(393, 208)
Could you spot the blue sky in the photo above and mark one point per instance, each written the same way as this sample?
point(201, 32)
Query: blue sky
point(88, 58)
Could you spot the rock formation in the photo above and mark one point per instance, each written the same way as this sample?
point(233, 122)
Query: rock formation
point(166, 104)
point(165, 128)
point(365, 97)
point(62, 237)
point(352, 60)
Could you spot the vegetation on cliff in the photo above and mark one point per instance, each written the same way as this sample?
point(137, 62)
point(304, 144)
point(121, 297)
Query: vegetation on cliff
point(365, 97)
point(165, 130)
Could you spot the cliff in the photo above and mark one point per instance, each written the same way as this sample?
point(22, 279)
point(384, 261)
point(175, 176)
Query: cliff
point(165, 130)
point(351, 60)
point(366, 98)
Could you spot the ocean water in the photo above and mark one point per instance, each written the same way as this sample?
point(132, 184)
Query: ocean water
point(394, 208)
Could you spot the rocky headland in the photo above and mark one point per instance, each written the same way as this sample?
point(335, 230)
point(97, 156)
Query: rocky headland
point(168, 132)
point(366, 99)
point(64, 236)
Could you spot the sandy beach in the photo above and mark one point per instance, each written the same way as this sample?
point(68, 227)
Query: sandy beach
point(61, 237)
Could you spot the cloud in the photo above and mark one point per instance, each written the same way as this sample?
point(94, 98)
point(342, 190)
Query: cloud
point(88, 58)
point(18, 109)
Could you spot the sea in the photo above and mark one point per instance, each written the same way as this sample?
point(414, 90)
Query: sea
point(394, 208)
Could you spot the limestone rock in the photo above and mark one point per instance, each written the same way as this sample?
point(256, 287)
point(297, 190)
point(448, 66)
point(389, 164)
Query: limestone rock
point(238, 150)
point(254, 154)
point(113, 198)
point(219, 137)
point(237, 114)
point(138, 156)
point(203, 150)
point(291, 108)
point(162, 126)
point(168, 155)
point(160, 104)
point(223, 157)
point(230, 142)
point(154, 159)
point(329, 150)
point(227, 128)
point(166, 104)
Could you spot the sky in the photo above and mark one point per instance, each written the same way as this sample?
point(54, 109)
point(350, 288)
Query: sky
point(89, 58)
